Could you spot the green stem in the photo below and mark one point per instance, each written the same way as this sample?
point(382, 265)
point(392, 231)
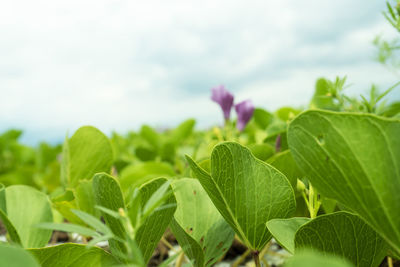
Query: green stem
point(390, 262)
point(256, 258)
point(241, 258)
point(180, 260)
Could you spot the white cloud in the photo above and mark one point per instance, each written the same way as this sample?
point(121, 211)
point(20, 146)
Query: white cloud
point(119, 64)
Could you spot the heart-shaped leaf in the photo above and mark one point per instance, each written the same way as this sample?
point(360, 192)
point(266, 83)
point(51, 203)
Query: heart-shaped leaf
point(27, 207)
point(199, 228)
point(87, 152)
point(355, 159)
point(343, 234)
point(246, 191)
point(73, 255)
point(284, 230)
point(16, 257)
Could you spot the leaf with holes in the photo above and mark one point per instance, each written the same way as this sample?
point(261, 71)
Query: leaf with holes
point(355, 159)
point(246, 191)
point(199, 228)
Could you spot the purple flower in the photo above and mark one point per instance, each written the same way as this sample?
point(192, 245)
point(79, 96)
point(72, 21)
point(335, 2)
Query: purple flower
point(225, 99)
point(244, 112)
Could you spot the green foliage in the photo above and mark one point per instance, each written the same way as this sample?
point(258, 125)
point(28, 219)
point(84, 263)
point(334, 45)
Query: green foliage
point(284, 230)
point(307, 258)
point(136, 229)
point(246, 191)
point(26, 207)
point(87, 152)
point(138, 174)
point(343, 234)
point(199, 228)
point(16, 257)
point(354, 159)
point(73, 255)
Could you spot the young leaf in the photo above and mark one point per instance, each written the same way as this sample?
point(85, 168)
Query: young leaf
point(355, 159)
point(87, 152)
point(199, 228)
point(246, 191)
point(27, 207)
point(284, 230)
point(108, 194)
point(154, 225)
point(16, 257)
point(343, 234)
point(73, 255)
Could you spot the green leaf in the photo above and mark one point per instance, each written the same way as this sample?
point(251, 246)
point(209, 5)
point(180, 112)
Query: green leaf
point(246, 191)
point(183, 131)
point(308, 258)
point(262, 117)
point(92, 221)
point(87, 152)
point(27, 207)
point(12, 232)
point(73, 255)
point(322, 97)
point(153, 227)
point(84, 197)
point(3, 205)
point(16, 257)
point(284, 230)
point(199, 228)
point(343, 234)
point(151, 136)
point(69, 227)
point(136, 175)
point(262, 151)
point(355, 159)
point(287, 113)
point(285, 163)
point(107, 193)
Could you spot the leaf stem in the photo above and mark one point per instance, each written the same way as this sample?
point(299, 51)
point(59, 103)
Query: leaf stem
point(180, 260)
point(241, 258)
point(389, 261)
point(256, 258)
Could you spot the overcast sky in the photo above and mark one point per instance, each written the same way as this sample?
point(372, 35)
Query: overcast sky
point(121, 63)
